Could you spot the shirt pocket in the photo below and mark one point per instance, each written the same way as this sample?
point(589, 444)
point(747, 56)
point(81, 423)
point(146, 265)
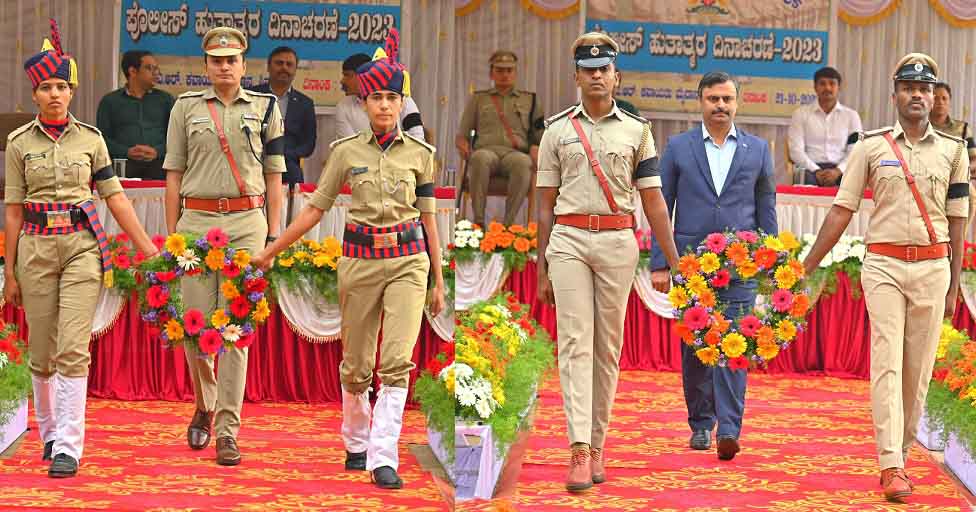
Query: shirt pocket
point(39, 177)
point(202, 136)
point(364, 185)
point(78, 170)
point(889, 180)
point(619, 159)
point(933, 185)
point(251, 136)
point(404, 186)
point(572, 158)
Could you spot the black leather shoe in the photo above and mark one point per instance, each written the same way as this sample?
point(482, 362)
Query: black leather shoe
point(198, 433)
point(386, 478)
point(64, 466)
point(701, 440)
point(48, 450)
point(727, 447)
point(227, 452)
point(356, 461)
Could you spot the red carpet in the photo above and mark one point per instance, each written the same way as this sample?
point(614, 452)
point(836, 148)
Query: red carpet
point(807, 445)
point(136, 458)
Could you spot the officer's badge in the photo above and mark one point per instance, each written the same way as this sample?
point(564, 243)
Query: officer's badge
point(918, 67)
point(594, 51)
point(223, 41)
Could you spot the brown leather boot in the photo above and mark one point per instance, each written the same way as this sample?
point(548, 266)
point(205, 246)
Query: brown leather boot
point(896, 485)
point(198, 433)
point(596, 465)
point(580, 473)
point(227, 452)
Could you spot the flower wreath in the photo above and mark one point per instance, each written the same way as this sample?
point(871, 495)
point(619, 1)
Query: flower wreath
point(781, 308)
point(161, 303)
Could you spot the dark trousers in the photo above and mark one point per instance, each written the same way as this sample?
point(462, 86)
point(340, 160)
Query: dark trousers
point(810, 177)
point(714, 394)
point(152, 170)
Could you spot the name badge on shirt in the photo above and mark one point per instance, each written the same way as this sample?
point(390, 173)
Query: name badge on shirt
point(29, 157)
point(252, 117)
point(200, 120)
point(568, 140)
point(893, 163)
point(359, 170)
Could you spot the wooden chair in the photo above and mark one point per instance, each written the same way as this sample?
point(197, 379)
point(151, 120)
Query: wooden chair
point(11, 121)
point(498, 187)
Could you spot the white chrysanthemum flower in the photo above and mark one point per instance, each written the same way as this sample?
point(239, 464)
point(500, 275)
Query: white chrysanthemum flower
point(232, 332)
point(827, 260)
point(465, 395)
point(461, 371)
point(474, 243)
point(484, 408)
point(188, 260)
point(859, 251)
point(841, 251)
point(463, 225)
point(4, 361)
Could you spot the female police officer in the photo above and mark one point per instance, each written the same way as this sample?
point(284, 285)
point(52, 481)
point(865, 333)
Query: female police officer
point(51, 163)
point(384, 267)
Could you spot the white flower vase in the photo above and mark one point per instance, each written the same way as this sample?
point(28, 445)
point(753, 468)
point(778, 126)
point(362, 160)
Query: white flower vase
point(17, 425)
point(930, 439)
point(960, 461)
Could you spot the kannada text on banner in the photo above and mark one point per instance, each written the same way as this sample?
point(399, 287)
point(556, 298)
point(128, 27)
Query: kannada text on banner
point(772, 46)
point(323, 35)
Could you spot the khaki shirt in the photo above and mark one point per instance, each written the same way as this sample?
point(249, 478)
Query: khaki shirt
point(617, 143)
point(40, 169)
point(956, 128)
point(522, 114)
point(388, 187)
point(193, 147)
point(940, 165)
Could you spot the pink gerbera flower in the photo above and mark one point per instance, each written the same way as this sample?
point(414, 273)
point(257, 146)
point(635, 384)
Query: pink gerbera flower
point(749, 237)
point(159, 241)
point(210, 341)
point(696, 318)
point(782, 300)
point(749, 325)
point(721, 278)
point(715, 242)
point(193, 321)
point(216, 238)
point(157, 296)
point(244, 341)
point(738, 363)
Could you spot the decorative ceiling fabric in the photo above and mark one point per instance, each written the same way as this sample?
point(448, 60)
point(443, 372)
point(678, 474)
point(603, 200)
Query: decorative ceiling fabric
point(866, 12)
point(552, 9)
point(958, 13)
point(466, 7)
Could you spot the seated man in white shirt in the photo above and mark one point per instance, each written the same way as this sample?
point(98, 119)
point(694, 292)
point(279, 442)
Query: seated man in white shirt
point(822, 134)
point(351, 115)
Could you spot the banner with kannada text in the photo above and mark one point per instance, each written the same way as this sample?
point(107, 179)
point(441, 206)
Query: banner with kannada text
point(322, 34)
point(772, 46)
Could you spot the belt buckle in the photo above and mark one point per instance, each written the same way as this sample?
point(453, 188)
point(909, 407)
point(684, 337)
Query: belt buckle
point(58, 219)
point(384, 240)
point(592, 220)
point(223, 205)
point(911, 253)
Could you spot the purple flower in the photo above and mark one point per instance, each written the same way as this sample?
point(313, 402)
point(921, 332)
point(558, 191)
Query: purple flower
point(151, 276)
point(163, 336)
point(167, 255)
point(203, 244)
point(149, 316)
point(248, 329)
point(172, 310)
point(255, 296)
point(229, 254)
point(258, 273)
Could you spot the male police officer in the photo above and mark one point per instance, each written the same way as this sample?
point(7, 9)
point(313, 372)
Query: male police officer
point(224, 161)
point(920, 181)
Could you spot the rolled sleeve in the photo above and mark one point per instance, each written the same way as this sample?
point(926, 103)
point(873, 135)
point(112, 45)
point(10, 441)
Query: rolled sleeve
point(648, 173)
point(274, 163)
point(852, 187)
point(957, 202)
point(426, 201)
point(176, 140)
point(330, 182)
point(111, 185)
point(15, 189)
point(549, 173)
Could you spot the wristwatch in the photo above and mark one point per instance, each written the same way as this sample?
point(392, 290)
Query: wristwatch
point(270, 239)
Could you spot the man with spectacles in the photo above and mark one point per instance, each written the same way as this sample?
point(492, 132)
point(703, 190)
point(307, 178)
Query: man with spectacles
point(134, 118)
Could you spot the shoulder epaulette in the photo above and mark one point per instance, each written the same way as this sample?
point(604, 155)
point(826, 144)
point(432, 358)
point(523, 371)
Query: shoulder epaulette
point(189, 94)
point(264, 94)
point(483, 91)
point(951, 137)
point(86, 125)
point(19, 131)
point(344, 139)
point(421, 142)
point(879, 131)
point(559, 115)
point(633, 116)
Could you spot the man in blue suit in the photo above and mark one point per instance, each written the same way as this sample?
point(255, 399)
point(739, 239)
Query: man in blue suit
point(716, 177)
point(297, 109)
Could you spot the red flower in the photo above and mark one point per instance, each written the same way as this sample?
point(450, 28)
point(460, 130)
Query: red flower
point(139, 258)
point(193, 321)
point(715, 242)
point(515, 308)
point(244, 341)
point(157, 297)
point(216, 238)
point(721, 278)
point(435, 365)
point(231, 271)
point(163, 317)
point(782, 300)
point(749, 325)
point(765, 258)
point(453, 265)
point(511, 300)
point(122, 261)
point(738, 363)
point(240, 307)
point(256, 285)
point(940, 374)
point(159, 241)
point(166, 277)
point(122, 238)
point(210, 341)
point(194, 271)
point(696, 318)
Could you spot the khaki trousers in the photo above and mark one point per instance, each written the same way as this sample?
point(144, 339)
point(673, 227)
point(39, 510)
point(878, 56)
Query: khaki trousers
point(223, 393)
point(60, 277)
point(592, 274)
point(373, 293)
point(905, 302)
point(499, 160)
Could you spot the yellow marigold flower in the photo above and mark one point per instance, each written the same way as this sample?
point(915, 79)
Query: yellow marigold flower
point(449, 380)
point(214, 259)
point(314, 246)
point(320, 260)
point(789, 241)
point(261, 311)
point(174, 331)
point(734, 344)
point(219, 318)
point(498, 393)
point(767, 351)
point(332, 246)
point(678, 297)
point(301, 255)
point(774, 243)
point(707, 355)
point(242, 259)
point(785, 278)
point(709, 262)
point(697, 286)
point(747, 269)
point(176, 244)
point(229, 289)
point(286, 262)
point(785, 330)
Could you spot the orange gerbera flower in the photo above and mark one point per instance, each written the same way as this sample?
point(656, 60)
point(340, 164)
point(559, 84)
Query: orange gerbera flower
point(747, 268)
point(516, 228)
point(684, 332)
point(535, 243)
point(765, 334)
point(713, 337)
point(707, 298)
point(496, 227)
point(801, 302)
point(522, 245)
point(505, 239)
point(488, 244)
point(532, 228)
point(737, 252)
point(765, 257)
point(719, 322)
point(797, 268)
point(688, 265)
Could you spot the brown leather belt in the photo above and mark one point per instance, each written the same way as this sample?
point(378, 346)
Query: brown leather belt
point(224, 204)
point(597, 222)
point(911, 252)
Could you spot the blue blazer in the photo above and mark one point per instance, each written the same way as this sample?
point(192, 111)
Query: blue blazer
point(300, 128)
point(747, 202)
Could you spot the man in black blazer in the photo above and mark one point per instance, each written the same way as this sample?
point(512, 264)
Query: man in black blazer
point(297, 109)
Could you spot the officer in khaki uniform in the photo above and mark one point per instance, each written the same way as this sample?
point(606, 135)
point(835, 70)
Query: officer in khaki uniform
point(591, 253)
point(508, 125)
point(57, 249)
point(959, 129)
point(206, 188)
point(383, 271)
point(911, 271)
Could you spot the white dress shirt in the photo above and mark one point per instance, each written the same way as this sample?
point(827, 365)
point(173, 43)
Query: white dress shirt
point(720, 157)
point(816, 136)
point(351, 117)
